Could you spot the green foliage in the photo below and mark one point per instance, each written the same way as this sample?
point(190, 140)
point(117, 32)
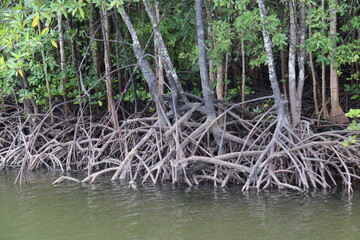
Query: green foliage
point(349, 140)
point(257, 110)
point(221, 41)
point(141, 93)
point(354, 125)
point(29, 27)
point(354, 87)
point(234, 92)
point(320, 43)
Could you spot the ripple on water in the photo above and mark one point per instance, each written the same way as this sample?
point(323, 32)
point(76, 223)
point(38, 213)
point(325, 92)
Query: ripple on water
point(110, 210)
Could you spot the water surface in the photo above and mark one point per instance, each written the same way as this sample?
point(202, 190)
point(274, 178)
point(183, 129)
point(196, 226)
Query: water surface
point(106, 210)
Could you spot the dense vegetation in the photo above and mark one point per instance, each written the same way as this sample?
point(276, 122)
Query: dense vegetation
point(247, 92)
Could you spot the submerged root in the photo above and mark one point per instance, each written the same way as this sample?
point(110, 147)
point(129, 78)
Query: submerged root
point(262, 152)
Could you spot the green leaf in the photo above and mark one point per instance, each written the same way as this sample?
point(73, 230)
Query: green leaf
point(82, 14)
point(54, 43)
point(11, 64)
point(35, 21)
point(45, 30)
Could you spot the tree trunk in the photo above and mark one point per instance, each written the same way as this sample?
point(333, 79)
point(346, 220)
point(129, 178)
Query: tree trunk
point(284, 70)
point(109, 94)
point(47, 81)
point(220, 80)
point(94, 47)
point(62, 63)
point(294, 101)
point(325, 110)
point(314, 81)
point(120, 37)
point(158, 60)
point(74, 53)
point(302, 55)
point(271, 65)
point(296, 85)
point(175, 85)
point(145, 69)
point(210, 36)
point(226, 75)
point(336, 114)
point(220, 86)
point(206, 89)
point(243, 82)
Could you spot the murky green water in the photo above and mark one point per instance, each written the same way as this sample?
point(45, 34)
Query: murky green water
point(113, 211)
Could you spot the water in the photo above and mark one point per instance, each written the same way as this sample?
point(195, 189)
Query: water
point(113, 211)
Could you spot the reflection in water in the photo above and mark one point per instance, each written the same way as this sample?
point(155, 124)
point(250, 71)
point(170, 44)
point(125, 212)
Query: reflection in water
point(110, 210)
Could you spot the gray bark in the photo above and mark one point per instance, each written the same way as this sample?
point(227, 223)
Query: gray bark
point(271, 65)
point(336, 114)
point(323, 76)
point(120, 37)
point(206, 89)
point(110, 99)
point(145, 69)
point(297, 38)
point(62, 63)
point(174, 82)
point(243, 76)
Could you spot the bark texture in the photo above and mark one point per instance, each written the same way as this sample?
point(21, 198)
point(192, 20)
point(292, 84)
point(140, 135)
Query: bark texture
point(109, 94)
point(205, 84)
point(336, 114)
point(146, 70)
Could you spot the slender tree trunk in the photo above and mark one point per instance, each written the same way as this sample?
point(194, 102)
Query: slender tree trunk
point(145, 69)
point(94, 48)
point(47, 81)
point(301, 56)
point(74, 59)
point(109, 94)
point(292, 64)
point(211, 62)
point(121, 75)
point(62, 64)
point(159, 64)
point(220, 85)
point(271, 65)
point(284, 70)
point(176, 88)
point(226, 75)
point(336, 114)
point(313, 74)
point(211, 71)
point(243, 82)
point(296, 85)
point(220, 79)
point(121, 38)
point(206, 89)
point(325, 110)
point(220, 71)
point(323, 91)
